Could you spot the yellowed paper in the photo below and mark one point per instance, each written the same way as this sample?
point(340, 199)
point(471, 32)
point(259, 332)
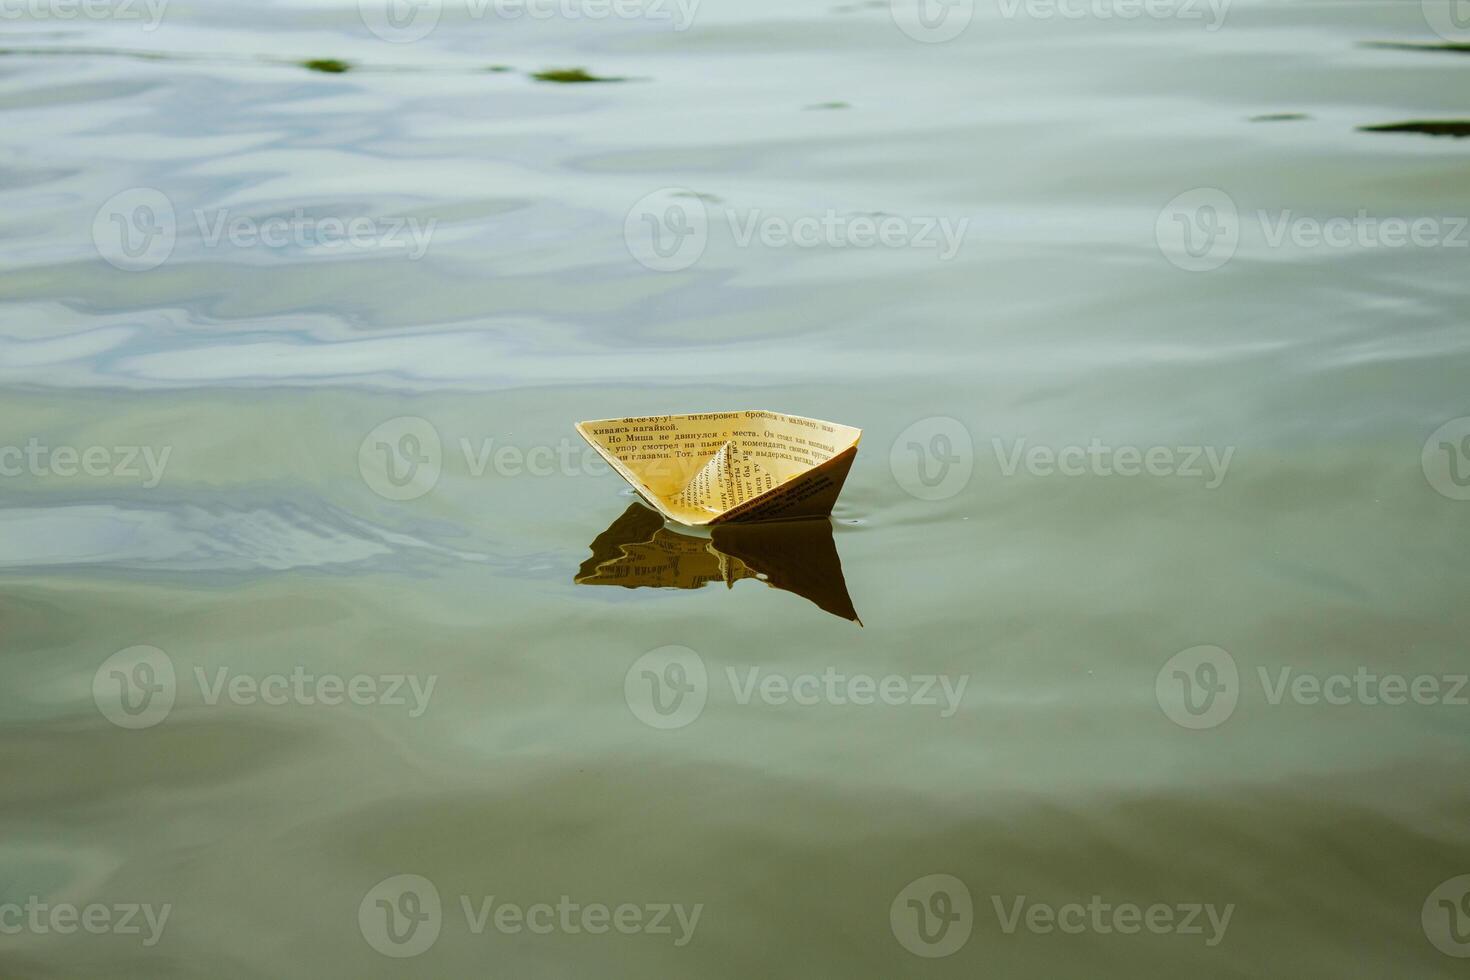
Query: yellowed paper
point(725, 467)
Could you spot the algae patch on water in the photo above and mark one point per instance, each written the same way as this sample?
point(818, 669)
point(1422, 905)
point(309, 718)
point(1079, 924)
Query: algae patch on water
point(573, 76)
point(331, 66)
point(1433, 47)
point(1453, 128)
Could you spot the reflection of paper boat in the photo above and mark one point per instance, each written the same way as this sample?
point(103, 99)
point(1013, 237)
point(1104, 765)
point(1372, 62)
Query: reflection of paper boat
point(639, 550)
point(729, 466)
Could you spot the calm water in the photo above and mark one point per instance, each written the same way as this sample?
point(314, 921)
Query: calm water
point(1159, 558)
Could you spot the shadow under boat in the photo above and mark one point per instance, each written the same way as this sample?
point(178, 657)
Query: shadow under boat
point(640, 551)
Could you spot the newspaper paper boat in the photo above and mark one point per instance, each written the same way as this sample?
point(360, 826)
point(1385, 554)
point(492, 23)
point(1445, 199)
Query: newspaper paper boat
point(727, 467)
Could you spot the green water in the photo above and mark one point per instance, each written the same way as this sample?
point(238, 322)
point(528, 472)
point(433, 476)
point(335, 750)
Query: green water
point(1157, 533)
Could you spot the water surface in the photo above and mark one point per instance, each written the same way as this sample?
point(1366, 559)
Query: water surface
point(273, 534)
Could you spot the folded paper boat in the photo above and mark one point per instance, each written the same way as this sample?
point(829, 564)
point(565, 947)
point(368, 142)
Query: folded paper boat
point(726, 467)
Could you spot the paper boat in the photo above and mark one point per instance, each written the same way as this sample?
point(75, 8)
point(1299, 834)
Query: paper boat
point(725, 467)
